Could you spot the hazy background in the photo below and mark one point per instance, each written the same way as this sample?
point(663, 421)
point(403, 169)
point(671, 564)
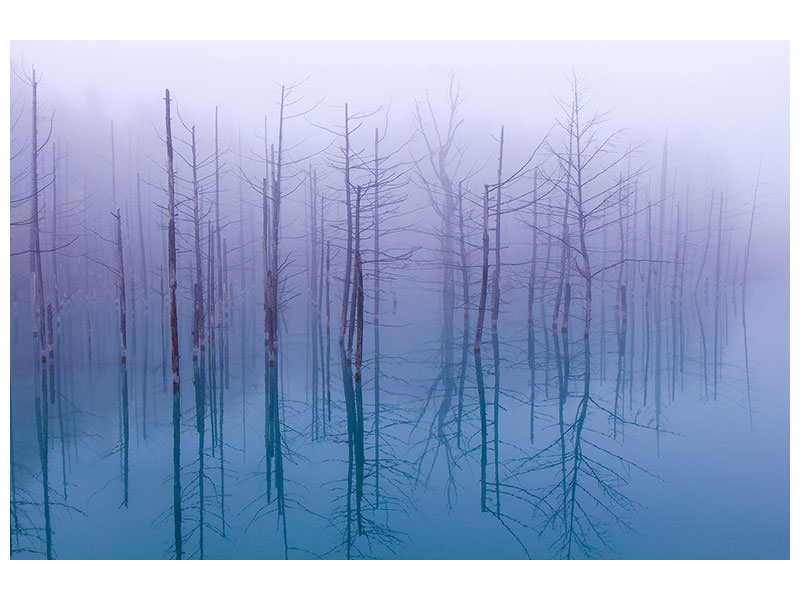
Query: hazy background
point(725, 103)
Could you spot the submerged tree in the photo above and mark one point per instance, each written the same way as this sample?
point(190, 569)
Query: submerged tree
point(576, 258)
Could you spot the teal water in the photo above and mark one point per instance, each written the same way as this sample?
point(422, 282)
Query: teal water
point(685, 476)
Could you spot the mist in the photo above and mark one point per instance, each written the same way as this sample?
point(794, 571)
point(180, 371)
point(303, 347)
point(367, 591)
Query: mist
point(399, 299)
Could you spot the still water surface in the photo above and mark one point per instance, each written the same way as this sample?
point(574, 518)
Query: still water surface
point(689, 469)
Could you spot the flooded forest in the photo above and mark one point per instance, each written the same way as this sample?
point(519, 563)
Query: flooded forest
point(335, 329)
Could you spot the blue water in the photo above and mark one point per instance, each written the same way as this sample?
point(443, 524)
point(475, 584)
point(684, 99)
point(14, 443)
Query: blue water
point(699, 478)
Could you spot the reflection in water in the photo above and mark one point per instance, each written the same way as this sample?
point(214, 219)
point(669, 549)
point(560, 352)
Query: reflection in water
point(43, 436)
point(588, 433)
point(559, 458)
point(177, 514)
point(124, 431)
point(426, 449)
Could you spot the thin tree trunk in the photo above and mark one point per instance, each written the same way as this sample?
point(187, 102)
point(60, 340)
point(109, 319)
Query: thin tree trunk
point(123, 329)
point(376, 312)
point(145, 288)
point(36, 266)
point(173, 285)
point(496, 287)
point(171, 235)
point(357, 250)
point(744, 293)
point(220, 289)
point(717, 349)
point(565, 226)
point(531, 298)
point(328, 323)
point(348, 256)
point(198, 332)
point(54, 184)
point(484, 271)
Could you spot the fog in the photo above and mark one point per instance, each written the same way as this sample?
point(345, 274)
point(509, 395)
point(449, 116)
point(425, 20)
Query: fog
point(723, 102)
point(525, 299)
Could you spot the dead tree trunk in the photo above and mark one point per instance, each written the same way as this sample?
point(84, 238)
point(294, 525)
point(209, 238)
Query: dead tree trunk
point(145, 289)
point(531, 298)
point(267, 271)
point(198, 331)
point(348, 256)
point(173, 314)
point(220, 287)
point(328, 325)
point(376, 311)
point(484, 271)
point(36, 262)
point(212, 335)
point(744, 293)
point(463, 254)
point(565, 224)
point(357, 250)
point(123, 329)
point(586, 270)
point(496, 287)
point(54, 243)
point(717, 324)
point(359, 404)
point(172, 255)
point(276, 206)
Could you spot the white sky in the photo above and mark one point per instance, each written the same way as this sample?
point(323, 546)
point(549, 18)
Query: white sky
point(726, 100)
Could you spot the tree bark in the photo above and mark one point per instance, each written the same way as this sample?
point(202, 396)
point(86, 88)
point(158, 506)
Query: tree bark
point(173, 281)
